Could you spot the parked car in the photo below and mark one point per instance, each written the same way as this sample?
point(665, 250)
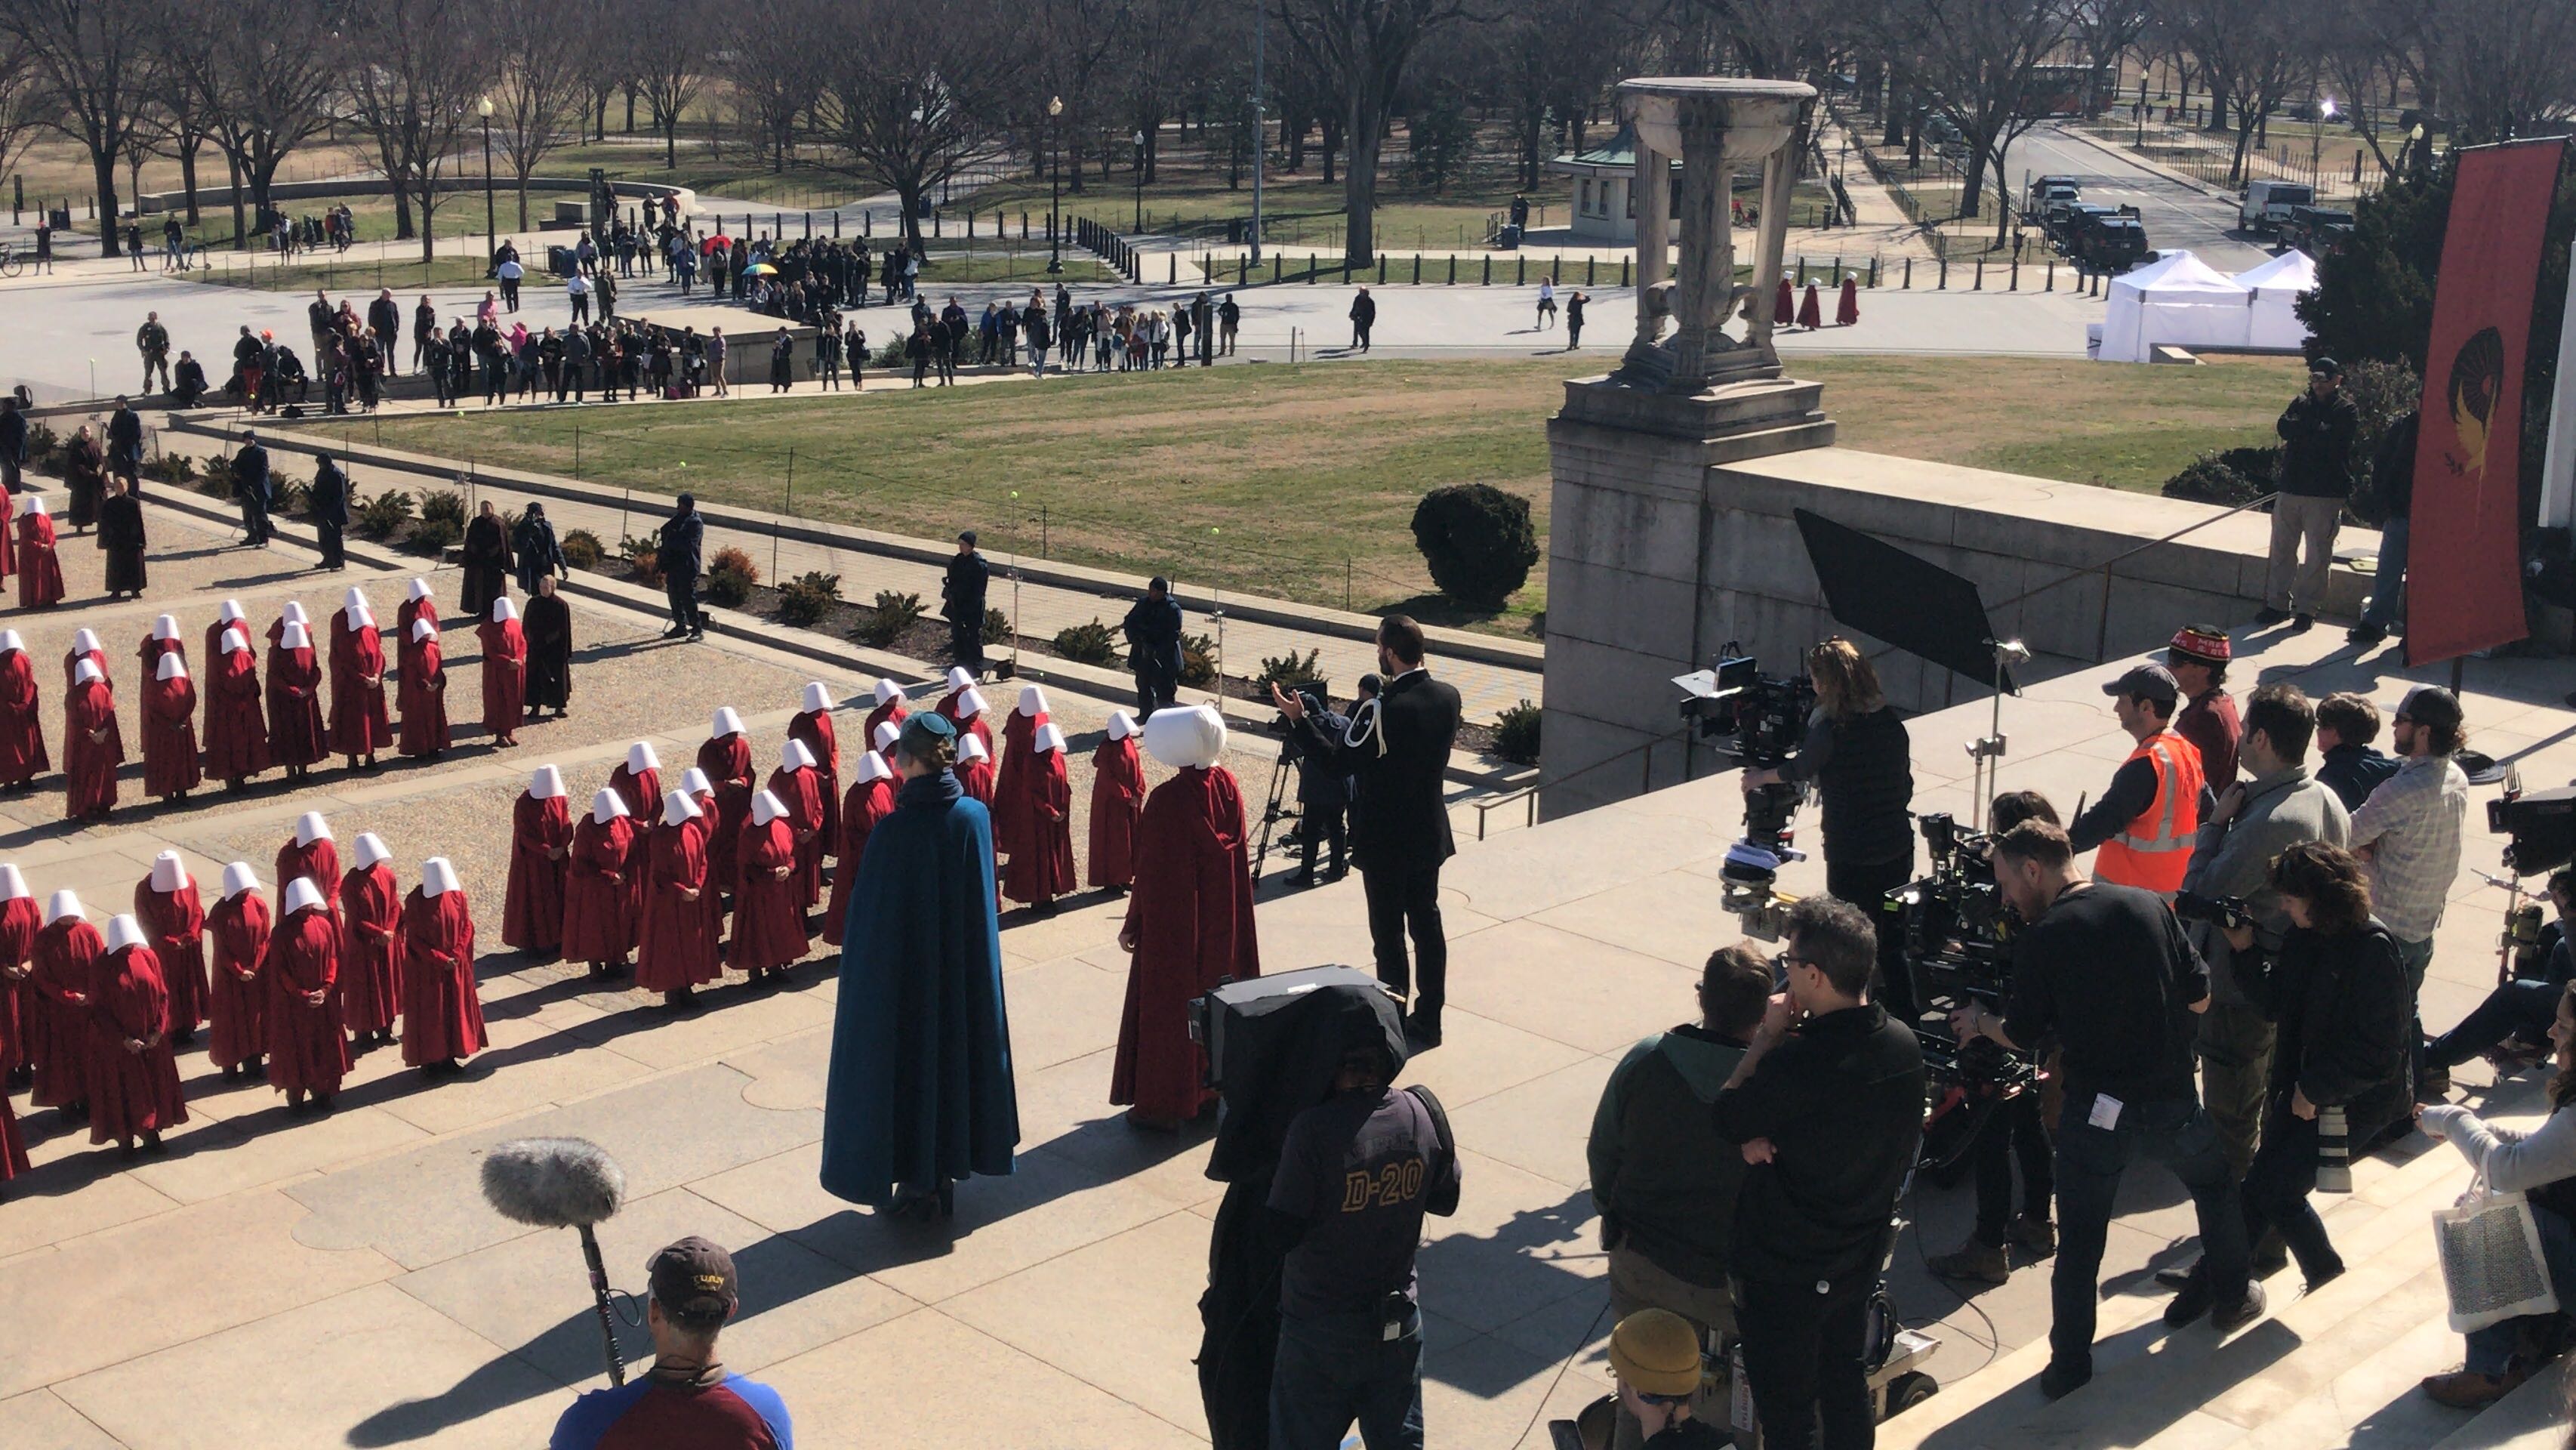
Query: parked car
point(2267, 204)
point(2077, 217)
point(2112, 245)
point(2044, 197)
point(2316, 230)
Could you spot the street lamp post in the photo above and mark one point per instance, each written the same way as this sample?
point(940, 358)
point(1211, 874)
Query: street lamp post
point(1055, 186)
point(1139, 139)
point(2316, 139)
point(491, 229)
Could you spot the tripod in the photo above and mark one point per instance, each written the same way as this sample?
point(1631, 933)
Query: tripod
point(1277, 809)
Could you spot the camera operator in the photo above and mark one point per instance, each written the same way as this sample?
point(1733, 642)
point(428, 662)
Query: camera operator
point(2249, 824)
point(1827, 1107)
point(2107, 970)
point(2144, 823)
point(1324, 787)
point(1398, 754)
point(1861, 762)
point(2015, 1130)
point(2519, 1010)
point(1664, 1183)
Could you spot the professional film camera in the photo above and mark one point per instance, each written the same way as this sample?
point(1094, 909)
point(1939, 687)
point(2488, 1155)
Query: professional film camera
point(1760, 721)
point(1958, 934)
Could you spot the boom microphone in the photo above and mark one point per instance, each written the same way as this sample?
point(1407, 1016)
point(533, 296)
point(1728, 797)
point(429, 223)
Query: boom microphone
point(563, 1183)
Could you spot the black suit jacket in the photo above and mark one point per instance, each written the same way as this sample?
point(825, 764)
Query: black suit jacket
point(1398, 819)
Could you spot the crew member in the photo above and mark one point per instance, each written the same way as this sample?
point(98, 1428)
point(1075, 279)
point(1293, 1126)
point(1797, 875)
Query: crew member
point(2144, 824)
point(686, 1401)
point(2198, 658)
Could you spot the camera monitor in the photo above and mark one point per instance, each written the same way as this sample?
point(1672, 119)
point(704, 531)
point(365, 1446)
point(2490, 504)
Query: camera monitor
point(1918, 606)
point(2541, 827)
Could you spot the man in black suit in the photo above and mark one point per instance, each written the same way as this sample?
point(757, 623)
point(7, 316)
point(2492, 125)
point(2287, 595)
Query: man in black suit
point(1153, 626)
point(250, 485)
point(961, 592)
point(1399, 823)
point(330, 511)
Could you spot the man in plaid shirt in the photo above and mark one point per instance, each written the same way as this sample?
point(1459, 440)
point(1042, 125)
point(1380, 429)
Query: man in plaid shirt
point(2408, 832)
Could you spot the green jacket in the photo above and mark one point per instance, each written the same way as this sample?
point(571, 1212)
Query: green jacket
point(1663, 1180)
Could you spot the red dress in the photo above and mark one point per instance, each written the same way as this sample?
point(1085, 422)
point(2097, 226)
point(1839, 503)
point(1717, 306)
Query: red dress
point(18, 922)
point(359, 724)
point(1191, 916)
point(977, 777)
point(174, 926)
point(236, 732)
point(868, 802)
point(891, 712)
point(642, 793)
point(814, 727)
point(40, 574)
point(132, 1093)
point(72, 662)
point(89, 765)
point(295, 734)
point(1784, 305)
point(237, 1008)
point(532, 914)
point(768, 916)
point(22, 726)
point(151, 651)
point(308, 1048)
point(1117, 803)
point(802, 790)
point(170, 736)
point(370, 949)
point(422, 693)
point(727, 763)
point(442, 1013)
point(413, 610)
point(64, 961)
point(1010, 785)
point(318, 863)
point(597, 927)
point(13, 1148)
point(505, 675)
point(969, 725)
point(1042, 868)
point(1810, 312)
point(1847, 311)
point(678, 948)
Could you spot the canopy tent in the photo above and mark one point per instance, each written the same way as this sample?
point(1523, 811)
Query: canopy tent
point(2276, 286)
point(2175, 300)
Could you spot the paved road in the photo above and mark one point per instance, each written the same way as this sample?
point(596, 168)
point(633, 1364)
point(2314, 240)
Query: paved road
point(2176, 215)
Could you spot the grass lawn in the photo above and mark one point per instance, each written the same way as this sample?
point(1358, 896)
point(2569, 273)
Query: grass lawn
point(259, 270)
point(1301, 481)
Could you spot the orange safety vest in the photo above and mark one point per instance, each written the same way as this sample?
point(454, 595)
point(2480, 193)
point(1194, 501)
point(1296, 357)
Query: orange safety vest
point(2156, 848)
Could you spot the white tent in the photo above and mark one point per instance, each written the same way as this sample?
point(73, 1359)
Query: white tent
point(2276, 286)
point(2176, 300)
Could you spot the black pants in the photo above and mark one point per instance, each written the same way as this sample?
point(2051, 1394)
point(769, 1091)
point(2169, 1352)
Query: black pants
point(1804, 1343)
point(333, 556)
point(683, 591)
point(2090, 1163)
point(2012, 1132)
point(966, 643)
point(1866, 886)
point(254, 522)
point(510, 294)
point(1154, 691)
point(1323, 823)
point(1398, 898)
point(2283, 1174)
point(2522, 1008)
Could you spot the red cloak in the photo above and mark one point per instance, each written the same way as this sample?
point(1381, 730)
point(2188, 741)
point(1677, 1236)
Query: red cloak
point(132, 1091)
point(442, 1012)
point(532, 913)
point(1784, 306)
point(413, 610)
point(1042, 868)
point(170, 736)
point(1117, 802)
point(1810, 314)
point(1191, 920)
point(318, 863)
point(679, 943)
point(151, 651)
point(977, 778)
point(505, 675)
point(642, 793)
point(370, 949)
point(768, 917)
point(891, 710)
point(308, 1050)
point(295, 734)
point(802, 790)
point(422, 693)
point(727, 763)
point(18, 922)
point(868, 802)
point(1011, 799)
point(40, 574)
point(596, 925)
point(64, 962)
point(1847, 311)
point(814, 727)
point(72, 662)
point(13, 1148)
point(974, 726)
point(174, 926)
point(22, 725)
point(237, 1007)
point(359, 724)
point(89, 764)
point(236, 732)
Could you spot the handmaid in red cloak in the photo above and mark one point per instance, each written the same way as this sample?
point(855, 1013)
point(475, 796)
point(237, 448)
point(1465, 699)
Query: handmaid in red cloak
point(813, 725)
point(236, 730)
point(62, 968)
point(964, 706)
point(1847, 311)
point(1811, 313)
point(1010, 789)
point(370, 901)
point(975, 769)
point(422, 692)
point(359, 725)
point(1042, 868)
point(295, 734)
point(442, 1009)
point(228, 615)
point(312, 854)
point(768, 918)
point(20, 916)
point(1189, 922)
point(725, 756)
point(40, 574)
point(237, 932)
point(22, 723)
point(308, 1052)
point(678, 950)
point(638, 782)
point(598, 928)
point(417, 605)
point(173, 915)
point(134, 1087)
point(1117, 802)
point(85, 646)
point(505, 671)
point(93, 746)
point(871, 797)
point(797, 783)
point(532, 911)
point(170, 768)
point(892, 707)
point(164, 639)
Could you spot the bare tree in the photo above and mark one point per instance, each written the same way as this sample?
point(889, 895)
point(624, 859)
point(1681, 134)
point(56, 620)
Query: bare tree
point(775, 70)
point(898, 109)
point(417, 69)
point(2253, 52)
point(1972, 60)
point(21, 100)
point(260, 91)
point(2104, 30)
point(1363, 47)
point(671, 62)
point(95, 65)
point(2501, 67)
point(540, 90)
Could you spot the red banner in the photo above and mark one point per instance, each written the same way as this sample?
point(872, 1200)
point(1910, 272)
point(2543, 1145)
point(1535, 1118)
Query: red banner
point(2464, 549)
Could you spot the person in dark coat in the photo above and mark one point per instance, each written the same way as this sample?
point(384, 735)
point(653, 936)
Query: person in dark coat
point(921, 1092)
point(1153, 628)
point(250, 485)
point(548, 626)
point(961, 594)
point(125, 444)
point(536, 550)
point(330, 510)
point(1363, 318)
point(120, 533)
point(681, 548)
point(13, 443)
point(2317, 431)
point(188, 384)
point(487, 562)
point(84, 470)
point(384, 318)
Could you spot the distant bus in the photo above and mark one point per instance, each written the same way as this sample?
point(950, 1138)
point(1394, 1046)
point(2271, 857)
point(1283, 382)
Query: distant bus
point(2056, 90)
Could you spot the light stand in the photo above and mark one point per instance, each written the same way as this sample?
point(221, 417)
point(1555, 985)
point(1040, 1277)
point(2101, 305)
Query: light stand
point(491, 230)
point(1140, 183)
point(1986, 754)
point(1055, 231)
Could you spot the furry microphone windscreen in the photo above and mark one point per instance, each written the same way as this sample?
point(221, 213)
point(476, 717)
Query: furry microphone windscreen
point(553, 1182)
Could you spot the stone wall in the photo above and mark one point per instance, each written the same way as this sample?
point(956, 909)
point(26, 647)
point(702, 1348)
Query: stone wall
point(1661, 550)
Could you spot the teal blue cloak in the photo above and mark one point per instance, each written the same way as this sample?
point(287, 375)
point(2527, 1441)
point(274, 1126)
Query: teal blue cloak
point(921, 1090)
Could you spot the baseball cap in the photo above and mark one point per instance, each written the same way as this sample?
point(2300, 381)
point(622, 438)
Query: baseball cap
point(2432, 705)
point(1657, 1351)
point(2153, 682)
point(694, 1279)
point(2327, 366)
